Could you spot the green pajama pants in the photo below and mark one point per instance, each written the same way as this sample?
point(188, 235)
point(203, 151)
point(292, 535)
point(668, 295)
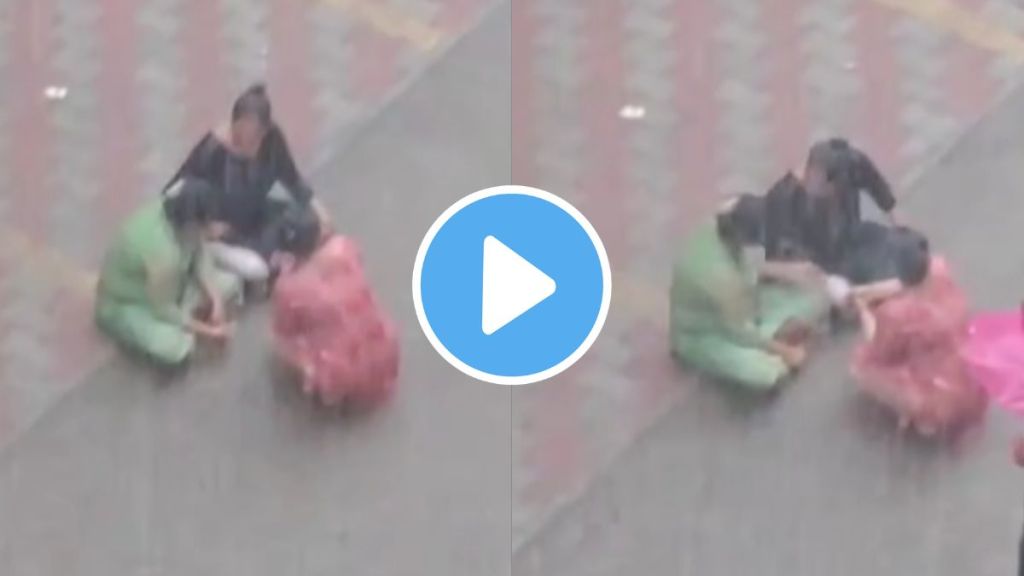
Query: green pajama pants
point(136, 327)
point(753, 368)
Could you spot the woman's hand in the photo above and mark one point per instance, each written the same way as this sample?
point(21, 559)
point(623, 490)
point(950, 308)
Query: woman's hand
point(793, 356)
point(326, 229)
point(284, 262)
point(217, 314)
point(324, 218)
point(217, 231)
point(216, 332)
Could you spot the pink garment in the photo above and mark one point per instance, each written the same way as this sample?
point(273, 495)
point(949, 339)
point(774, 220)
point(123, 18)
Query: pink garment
point(995, 354)
point(913, 364)
point(329, 326)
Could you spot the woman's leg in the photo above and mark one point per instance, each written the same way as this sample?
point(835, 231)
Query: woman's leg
point(136, 328)
point(749, 367)
point(244, 262)
point(785, 309)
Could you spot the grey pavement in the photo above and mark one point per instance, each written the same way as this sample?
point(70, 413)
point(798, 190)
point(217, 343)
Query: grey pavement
point(818, 481)
point(228, 470)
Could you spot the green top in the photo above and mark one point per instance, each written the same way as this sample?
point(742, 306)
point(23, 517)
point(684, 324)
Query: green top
point(148, 264)
point(712, 293)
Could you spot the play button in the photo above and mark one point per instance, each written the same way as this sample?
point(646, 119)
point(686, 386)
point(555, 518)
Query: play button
point(511, 285)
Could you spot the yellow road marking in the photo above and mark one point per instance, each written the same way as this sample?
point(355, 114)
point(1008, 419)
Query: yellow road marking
point(392, 22)
point(47, 262)
point(965, 24)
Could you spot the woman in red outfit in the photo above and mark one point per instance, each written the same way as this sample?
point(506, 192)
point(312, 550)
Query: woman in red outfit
point(913, 331)
point(329, 326)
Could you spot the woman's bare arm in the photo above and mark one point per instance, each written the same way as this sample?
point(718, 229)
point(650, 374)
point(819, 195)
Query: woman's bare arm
point(878, 291)
point(868, 322)
point(803, 275)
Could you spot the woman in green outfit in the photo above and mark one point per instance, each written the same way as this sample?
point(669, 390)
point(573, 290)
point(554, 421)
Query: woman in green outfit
point(736, 320)
point(158, 274)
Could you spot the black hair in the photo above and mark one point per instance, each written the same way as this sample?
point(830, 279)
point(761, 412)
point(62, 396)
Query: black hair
point(912, 254)
point(848, 168)
point(190, 201)
point(783, 229)
point(300, 231)
point(253, 103)
point(744, 222)
point(834, 157)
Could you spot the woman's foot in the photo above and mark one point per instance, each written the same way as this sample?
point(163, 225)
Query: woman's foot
point(795, 333)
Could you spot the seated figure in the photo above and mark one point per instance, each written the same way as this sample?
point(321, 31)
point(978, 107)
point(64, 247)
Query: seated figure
point(730, 318)
point(158, 289)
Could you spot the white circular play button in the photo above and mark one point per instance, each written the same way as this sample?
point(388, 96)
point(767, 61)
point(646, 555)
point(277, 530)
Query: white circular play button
point(511, 285)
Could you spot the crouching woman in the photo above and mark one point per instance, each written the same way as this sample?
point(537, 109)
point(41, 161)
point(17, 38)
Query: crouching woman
point(914, 330)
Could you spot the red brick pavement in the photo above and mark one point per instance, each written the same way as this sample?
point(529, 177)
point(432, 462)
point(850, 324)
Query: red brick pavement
point(27, 75)
point(880, 106)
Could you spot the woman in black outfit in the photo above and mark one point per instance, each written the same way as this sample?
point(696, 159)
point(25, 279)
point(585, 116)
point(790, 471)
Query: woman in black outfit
point(243, 161)
point(815, 217)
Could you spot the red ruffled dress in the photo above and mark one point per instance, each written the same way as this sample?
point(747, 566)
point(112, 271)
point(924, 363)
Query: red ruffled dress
point(329, 326)
point(914, 365)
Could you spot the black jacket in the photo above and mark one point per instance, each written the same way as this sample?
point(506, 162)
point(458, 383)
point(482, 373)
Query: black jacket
point(801, 227)
point(242, 185)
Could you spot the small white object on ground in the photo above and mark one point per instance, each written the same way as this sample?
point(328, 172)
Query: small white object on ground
point(55, 92)
point(631, 112)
